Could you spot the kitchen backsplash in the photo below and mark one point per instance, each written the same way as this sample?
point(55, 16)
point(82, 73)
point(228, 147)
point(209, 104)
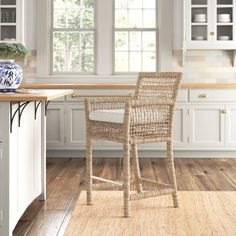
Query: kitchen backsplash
point(29, 65)
point(205, 64)
point(199, 65)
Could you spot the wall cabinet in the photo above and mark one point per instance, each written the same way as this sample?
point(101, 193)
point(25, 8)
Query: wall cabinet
point(12, 20)
point(209, 24)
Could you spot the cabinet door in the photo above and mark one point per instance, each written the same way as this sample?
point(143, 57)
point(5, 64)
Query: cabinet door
point(198, 22)
point(55, 126)
point(223, 13)
point(231, 125)
point(180, 126)
point(75, 126)
point(207, 125)
point(12, 20)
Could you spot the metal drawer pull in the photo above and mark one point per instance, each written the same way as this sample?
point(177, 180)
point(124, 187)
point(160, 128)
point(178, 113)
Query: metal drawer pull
point(224, 111)
point(202, 95)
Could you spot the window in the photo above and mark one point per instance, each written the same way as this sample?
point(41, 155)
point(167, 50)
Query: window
point(135, 35)
point(105, 39)
point(73, 36)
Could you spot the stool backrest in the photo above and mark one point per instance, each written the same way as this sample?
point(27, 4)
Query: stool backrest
point(158, 86)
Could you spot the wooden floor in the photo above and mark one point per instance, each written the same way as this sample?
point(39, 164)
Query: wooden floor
point(65, 180)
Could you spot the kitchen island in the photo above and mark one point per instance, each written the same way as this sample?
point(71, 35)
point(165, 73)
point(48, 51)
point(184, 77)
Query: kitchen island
point(22, 152)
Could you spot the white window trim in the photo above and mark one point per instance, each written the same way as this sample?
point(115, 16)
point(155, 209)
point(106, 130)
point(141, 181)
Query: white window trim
point(104, 57)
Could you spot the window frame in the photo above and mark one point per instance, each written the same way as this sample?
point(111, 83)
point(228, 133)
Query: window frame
point(104, 45)
point(94, 30)
point(114, 30)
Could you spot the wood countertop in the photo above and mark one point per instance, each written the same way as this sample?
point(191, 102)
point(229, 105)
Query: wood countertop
point(125, 86)
point(34, 95)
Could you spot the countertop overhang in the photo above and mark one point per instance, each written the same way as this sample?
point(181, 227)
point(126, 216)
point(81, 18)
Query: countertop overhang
point(34, 95)
point(125, 86)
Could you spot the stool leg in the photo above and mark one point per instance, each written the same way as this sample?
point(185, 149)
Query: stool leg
point(126, 166)
point(134, 153)
point(89, 170)
point(170, 157)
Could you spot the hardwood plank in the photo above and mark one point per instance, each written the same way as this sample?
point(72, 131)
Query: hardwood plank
point(185, 180)
point(215, 176)
point(67, 186)
point(47, 223)
point(66, 179)
point(99, 165)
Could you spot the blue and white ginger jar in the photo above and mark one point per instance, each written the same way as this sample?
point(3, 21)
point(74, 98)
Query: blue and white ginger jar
point(11, 76)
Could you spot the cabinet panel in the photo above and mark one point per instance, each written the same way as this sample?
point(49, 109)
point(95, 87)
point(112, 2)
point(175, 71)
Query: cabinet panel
point(75, 125)
point(180, 125)
point(55, 126)
point(231, 125)
point(212, 95)
point(1, 183)
point(207, 125)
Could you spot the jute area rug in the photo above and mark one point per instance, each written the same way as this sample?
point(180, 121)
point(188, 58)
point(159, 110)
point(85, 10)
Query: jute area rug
point(200, 213)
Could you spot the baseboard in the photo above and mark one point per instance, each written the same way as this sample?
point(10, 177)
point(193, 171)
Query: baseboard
point(142, 154)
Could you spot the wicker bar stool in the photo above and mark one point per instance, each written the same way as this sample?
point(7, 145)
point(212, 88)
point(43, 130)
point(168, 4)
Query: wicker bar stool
point(147, 117)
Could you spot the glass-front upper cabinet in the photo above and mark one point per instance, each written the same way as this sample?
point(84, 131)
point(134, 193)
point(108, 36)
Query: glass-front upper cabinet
point(200, 20)
point(11, 21)
point(209, 24)
point(224, 20)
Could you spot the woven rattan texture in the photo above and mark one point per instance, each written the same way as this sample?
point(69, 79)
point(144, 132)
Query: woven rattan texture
point(148, 118)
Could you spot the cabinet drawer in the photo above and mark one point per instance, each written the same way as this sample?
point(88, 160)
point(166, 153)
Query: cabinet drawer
point(61, 99)
point(182, 96)
point(213, 95)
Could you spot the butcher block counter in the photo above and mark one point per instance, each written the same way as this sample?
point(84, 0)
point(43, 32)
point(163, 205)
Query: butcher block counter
point(22, 152)
point(220, 84)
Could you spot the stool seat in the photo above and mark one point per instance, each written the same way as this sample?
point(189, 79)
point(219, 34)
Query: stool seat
point(113, 116)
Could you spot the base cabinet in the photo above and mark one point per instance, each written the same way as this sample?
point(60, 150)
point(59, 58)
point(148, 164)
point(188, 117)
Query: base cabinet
point(200, 123)
point(230, 112)
point(207, 125)
point(75, 126)
point(180, 126)
point(55, 125)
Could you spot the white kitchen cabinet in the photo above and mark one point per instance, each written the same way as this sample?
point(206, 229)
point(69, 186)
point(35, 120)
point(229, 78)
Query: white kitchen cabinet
point(56, 125)
point(204, 120)
point(1, 183)
point(12, 20)
point(206, 125)
point(75, 126)
point(205, 27)
point(230, 139)
point(180, 125)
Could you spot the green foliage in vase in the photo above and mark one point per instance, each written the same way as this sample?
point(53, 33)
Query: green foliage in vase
point(12, 51)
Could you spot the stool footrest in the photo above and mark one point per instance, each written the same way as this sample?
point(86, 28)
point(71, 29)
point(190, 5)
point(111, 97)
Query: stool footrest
point(143, 195)
point(152, 183)
point(107, 184)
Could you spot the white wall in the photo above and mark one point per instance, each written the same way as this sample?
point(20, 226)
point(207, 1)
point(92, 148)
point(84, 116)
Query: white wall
point(30, 23)
point(177, 23)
